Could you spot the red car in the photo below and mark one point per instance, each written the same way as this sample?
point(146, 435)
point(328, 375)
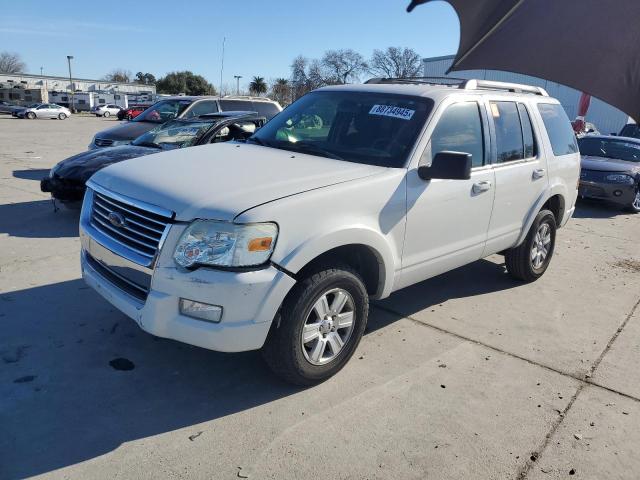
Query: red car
point(131, 112)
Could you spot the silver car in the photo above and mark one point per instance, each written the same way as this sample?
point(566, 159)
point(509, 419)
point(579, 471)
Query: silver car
point(45, 110)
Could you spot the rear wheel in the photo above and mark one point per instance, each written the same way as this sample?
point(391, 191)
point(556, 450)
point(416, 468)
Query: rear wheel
point(31, 115)
point(530, 260)
point(320, 326)
point(62, 116)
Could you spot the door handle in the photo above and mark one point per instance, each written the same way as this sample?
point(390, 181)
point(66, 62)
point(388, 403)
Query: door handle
point(481, 187)
point(539, 173)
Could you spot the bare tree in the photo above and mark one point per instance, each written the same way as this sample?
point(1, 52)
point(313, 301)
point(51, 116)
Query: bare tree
point(299, 80)
point(343, 66)
point(118, 75)
point(395, 62)
point(11, 63)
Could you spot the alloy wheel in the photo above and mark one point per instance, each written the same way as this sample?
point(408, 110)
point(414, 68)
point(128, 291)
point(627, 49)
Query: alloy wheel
point(328, 326)
point(541, 246)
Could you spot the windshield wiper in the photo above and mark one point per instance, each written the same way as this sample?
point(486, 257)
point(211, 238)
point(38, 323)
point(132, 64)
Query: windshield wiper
point(305, 147)
point(148, 144)
point(257, 141)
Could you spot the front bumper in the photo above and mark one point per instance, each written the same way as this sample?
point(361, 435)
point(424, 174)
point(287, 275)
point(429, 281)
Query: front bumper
point(611, 192)
point(63, 190)
point(250, 299)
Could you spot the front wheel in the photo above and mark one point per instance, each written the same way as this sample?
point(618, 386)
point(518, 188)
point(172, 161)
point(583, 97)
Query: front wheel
point(106, 114)
point(31, 115)
point(320, 326)
point(635, 205)
point(62, 116)
point(530, 260)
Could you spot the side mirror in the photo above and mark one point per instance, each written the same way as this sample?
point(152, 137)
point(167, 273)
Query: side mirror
point(447, 166)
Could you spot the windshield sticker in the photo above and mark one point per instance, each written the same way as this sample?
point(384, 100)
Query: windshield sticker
point(395, 112)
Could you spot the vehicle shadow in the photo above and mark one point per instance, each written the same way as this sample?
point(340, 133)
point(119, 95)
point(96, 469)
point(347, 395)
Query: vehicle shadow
point(63, 403)
point(31, 174)
point(586, 208)
point(37, 219)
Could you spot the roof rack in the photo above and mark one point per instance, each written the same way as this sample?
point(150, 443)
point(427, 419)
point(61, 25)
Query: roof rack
point(247, 97)
point(463, 84)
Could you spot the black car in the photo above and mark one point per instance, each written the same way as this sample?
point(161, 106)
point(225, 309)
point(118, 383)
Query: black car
point(610, 170)
point(181, 107)
point(67, 179)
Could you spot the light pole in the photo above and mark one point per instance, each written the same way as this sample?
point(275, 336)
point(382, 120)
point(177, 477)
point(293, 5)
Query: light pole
point(237, 77)
point(69, 58)
point(40, 71)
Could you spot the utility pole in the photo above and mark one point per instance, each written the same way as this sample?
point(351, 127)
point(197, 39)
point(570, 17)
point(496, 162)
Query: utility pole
point(40, 71)
point(69, 58)
point(224, 40)
point(237, 77)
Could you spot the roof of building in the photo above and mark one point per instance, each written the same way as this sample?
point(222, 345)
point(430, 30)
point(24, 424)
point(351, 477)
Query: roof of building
point(75, 79)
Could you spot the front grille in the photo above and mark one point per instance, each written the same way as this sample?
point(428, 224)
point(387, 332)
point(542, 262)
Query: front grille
point(103, 142)
point(131, 226)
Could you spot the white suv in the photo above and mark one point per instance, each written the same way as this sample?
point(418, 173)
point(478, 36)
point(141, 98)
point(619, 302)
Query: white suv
point(351, 193)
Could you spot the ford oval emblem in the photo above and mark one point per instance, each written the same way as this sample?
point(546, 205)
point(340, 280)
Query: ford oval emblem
point(117, 219)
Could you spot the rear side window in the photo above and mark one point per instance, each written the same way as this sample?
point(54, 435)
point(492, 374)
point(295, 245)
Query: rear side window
point(556, 122)
point(509, 142)
point(266, 109)
point(460, 130)
point(202, 108)
point(236, 105)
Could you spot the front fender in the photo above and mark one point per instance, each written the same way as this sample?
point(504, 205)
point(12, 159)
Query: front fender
point(304, 253)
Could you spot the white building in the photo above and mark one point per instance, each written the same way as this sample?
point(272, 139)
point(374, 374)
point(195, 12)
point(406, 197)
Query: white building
point(606, 118)
point(24, 89)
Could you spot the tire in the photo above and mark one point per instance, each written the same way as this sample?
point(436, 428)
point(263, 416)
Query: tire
point(30, 115)
point(62, 116)
point(520, 261)
point(298, 362)
point(635, 206)
point(106, 114)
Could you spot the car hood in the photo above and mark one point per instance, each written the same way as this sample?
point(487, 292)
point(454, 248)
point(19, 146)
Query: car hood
point(220, 181)
point(609, 165)
point(127, 131)
point(83, 165)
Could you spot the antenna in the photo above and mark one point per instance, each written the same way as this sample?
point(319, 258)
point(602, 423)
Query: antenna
point(224, 40)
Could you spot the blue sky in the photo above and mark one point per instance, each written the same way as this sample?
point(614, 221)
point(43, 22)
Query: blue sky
point(262, 37)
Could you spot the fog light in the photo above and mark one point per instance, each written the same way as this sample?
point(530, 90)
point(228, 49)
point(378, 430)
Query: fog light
point(201, 311)
point(617, 193)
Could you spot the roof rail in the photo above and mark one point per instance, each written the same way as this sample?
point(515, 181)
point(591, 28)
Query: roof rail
point(464, 84)
point(247, 97)
point(474, 84)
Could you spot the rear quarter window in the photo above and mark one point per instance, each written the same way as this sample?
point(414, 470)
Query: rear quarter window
point(267, 109)
point(563, 140)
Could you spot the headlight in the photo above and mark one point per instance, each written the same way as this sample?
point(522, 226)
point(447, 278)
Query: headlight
point(117, 143)
point(223, 244)
point(620, 178)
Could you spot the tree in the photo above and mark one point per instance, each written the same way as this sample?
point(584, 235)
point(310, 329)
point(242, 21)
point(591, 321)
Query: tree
point(258, 86)
point(281, 91)
point(145, 78)
point(343, 66)
point(299, 80)
point(11, 63)
point(118, 75)
point(395, 62)
point(184, 82)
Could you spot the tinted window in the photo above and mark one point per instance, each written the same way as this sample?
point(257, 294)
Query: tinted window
point(527, 132)
point(509, 142)
point(202, 108)
point(630, 130)
point(556, 122)
point(267, 109)
point(599, 147)
point(236, 105)
point(363, 127)
point(460, 130)
point(162, 111)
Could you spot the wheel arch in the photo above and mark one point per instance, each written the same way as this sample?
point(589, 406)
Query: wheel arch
point(553, 199)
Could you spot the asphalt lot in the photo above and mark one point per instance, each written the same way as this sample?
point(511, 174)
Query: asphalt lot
point(469, 375)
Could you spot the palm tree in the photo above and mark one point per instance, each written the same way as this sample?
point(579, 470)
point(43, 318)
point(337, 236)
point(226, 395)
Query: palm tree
point(258, 86)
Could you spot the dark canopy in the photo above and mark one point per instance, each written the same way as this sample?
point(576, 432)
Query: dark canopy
point(590, 45)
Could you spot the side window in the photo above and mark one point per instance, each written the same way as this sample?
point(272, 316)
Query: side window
point(236, 105)
point(267, 109)
point(530, 149)
point(460, 129)
point(509, 143)
point(556, 122)
point(202, 108)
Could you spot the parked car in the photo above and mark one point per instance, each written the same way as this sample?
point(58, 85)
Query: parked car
point(66, 180)
point(131, 112)
point(352, 192)
point(611, 170)
point(180, 107)
point(6, 107)
point(106, 110)
point(45, 110)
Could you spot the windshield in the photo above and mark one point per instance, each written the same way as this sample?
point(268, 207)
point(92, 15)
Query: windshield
point(163, 111)
point(174, 134)
point(363, 127)
point(630, 130)
point(609, 148)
